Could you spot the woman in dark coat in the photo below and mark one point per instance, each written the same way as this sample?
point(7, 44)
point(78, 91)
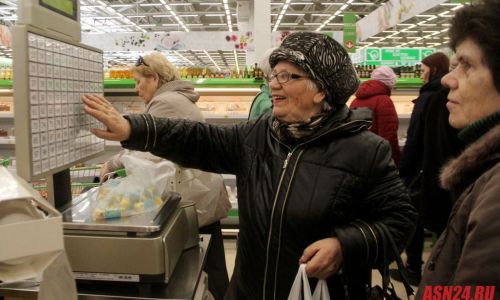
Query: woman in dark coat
point(312, 180)
point(434, 67)
point(441, 143)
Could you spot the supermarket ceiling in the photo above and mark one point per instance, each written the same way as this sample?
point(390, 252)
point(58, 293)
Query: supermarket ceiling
point(428, 29)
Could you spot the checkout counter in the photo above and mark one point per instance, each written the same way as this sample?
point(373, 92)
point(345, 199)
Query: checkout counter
point(154, 255)
point(187, 282)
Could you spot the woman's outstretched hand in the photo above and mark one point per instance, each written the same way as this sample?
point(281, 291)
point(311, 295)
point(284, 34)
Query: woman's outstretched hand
point(118, 128)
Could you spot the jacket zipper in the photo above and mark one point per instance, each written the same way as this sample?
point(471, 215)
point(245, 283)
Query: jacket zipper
point(281, 222)
point(285, 164)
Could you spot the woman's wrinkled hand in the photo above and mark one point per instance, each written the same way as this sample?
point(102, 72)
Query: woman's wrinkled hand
point(323, 258)
point(118, 128)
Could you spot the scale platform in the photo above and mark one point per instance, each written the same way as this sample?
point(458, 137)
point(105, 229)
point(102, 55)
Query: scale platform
point(78, 216)
point(138, 248)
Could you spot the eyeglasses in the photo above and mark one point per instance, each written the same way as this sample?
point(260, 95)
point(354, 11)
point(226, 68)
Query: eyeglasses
point(140, 61)
point(283, 77)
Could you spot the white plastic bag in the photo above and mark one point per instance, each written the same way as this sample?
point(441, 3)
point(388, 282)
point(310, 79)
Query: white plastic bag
point(321, 291)
point(301, 287)
point(137, 193)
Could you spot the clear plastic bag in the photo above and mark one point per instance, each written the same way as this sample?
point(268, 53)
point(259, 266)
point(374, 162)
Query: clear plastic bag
point(300, 287)
point(137, 193)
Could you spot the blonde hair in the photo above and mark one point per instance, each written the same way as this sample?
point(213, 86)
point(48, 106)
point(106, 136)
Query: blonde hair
point(159, 64)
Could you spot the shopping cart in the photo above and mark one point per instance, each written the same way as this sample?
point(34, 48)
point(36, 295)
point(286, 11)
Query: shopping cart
point(82, 179)
point(76, 188)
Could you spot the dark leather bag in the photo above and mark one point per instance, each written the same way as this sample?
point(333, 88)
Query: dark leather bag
point(387, 291)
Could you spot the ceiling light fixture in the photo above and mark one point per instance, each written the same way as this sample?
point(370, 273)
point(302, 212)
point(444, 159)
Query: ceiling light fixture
point(120, 5)
point(123, 17)
point(283, 10)
point(150, 4)
point(236, 60)
point(184, 58)
point(211, 59)
point(172, 12)
point(445, 14)
point(228, 15)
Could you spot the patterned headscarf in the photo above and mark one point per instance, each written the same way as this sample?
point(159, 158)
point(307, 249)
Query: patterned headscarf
point(324, 60)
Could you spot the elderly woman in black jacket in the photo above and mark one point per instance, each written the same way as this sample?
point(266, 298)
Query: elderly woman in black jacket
point(312, 180)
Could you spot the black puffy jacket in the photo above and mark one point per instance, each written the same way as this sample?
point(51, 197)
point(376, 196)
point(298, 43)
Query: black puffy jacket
point(290, 197)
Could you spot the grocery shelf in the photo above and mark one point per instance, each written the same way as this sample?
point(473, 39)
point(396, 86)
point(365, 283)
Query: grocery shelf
point(220, 83)
point(5, 84)
point(197, 82)
point(7, 140)
point(6, 115)
point(403, 83)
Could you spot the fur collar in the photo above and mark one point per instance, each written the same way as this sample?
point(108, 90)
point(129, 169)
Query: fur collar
point(465, 169)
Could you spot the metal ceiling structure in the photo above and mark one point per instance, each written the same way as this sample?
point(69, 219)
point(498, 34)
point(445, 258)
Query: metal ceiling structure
point(428, 29)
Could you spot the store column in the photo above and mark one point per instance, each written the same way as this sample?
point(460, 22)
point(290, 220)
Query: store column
point(255, 16)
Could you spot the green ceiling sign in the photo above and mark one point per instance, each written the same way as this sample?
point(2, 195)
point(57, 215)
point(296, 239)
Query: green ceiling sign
point(426, 52)
point(350, 32)
point(396, 56)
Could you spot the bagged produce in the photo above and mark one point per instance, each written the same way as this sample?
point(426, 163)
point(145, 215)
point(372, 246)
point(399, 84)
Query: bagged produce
point(137, 193)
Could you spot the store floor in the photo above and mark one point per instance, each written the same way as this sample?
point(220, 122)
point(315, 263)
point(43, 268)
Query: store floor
point(230, 249)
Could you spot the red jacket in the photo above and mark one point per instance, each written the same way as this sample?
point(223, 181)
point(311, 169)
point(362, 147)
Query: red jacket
point(375, 95)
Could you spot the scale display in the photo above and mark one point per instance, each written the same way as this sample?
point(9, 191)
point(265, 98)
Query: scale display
point(57, 132)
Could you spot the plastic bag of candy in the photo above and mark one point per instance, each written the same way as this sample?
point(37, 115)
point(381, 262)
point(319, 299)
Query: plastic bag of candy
point(137, 193)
